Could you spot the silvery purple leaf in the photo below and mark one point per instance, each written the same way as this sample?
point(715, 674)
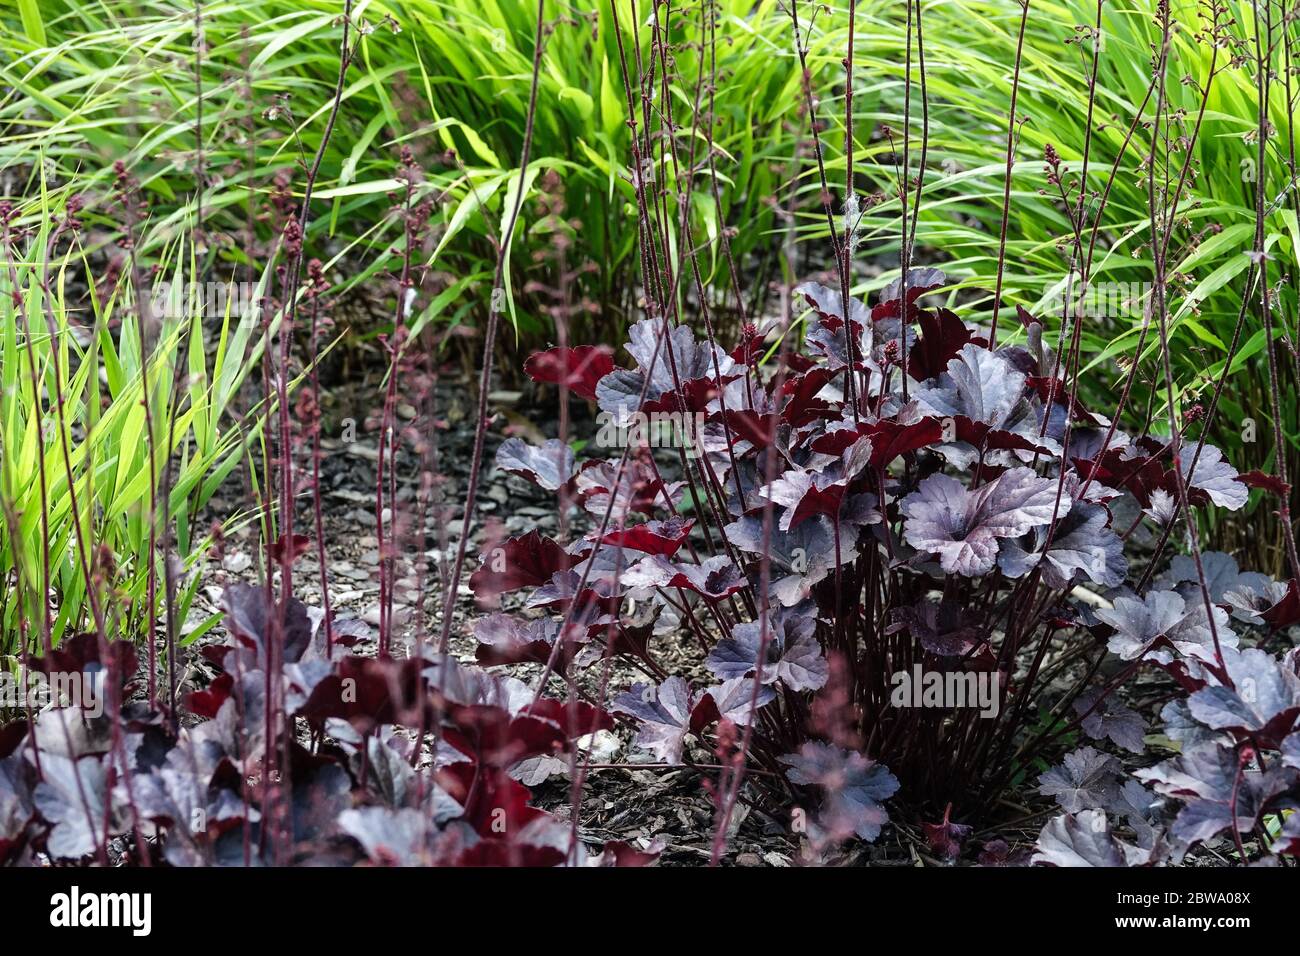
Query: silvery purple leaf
point(964, 527)
point(548, 467)
point(1210, 780)
point(792, 489)
point(537, 770)
point(1111, 719)
point(828, 303)
point(1250, 600)
point(1140, 808)
point(1086, 443)
point(664, 714)
point(979, 385)
point(854, 787)
point(735, 699)
point(504, 639)
point(1214, 476)
point(618, 392)
point(403, 837)
point(1138, 622)
point(919, 282)
point(619, 395)
point(713, 579)
point(1291, 751)
point(794, 656)
point(1082, 542)
point(827, 336)
point(1180, 725)
point(1264, 699)
point(1221, 575)
point(1163, 507)
point(74, 797)
point(1084, 839)
point(800, 557)
point(1087, 779)
point(15, 798)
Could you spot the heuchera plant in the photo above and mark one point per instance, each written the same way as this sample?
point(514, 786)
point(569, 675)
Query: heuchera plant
point(342, 776)
point(895, 501)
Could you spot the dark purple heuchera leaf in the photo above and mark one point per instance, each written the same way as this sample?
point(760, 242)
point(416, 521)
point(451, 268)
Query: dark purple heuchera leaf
point(494, 737)
point(526, 561)
point(666, 715)
point(592, 605)
point(627, 635)
point(919, 282)
point(1082, 542)
point(1263, 700)
point(1084, 839)
point(946, 838)
point(964, 527)
point(890, 438)
point(1252, 602)
point(366, 692)
point(1141, 809)
point(942, 629)
point(638, 489)
point(619, 853)
point(757, 428)
point(713, 579)
point(800, 557)
point(494, 803)
point(507, 640)
point(619, 392)
point(1111, 719)
point(288, 548)
point(653, 537)
point(982, 400)
point(1213, 475)
point(1165, 617)
point(1287, 610)
point(1270, 483)
point(178, 795)
point(1162, 509)
point(942, 336)
point(997, 852)
point(249, 612)
point(804, 494)
point(580, 368)
point(854, 786)
point(1208, 779)
point(794, 655)
point(1129, 467)
point(802, 406)
point(828, 303)
point(549, 467)
point(1086, 780)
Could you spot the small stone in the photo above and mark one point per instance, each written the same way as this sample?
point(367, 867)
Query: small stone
point(237, 561)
